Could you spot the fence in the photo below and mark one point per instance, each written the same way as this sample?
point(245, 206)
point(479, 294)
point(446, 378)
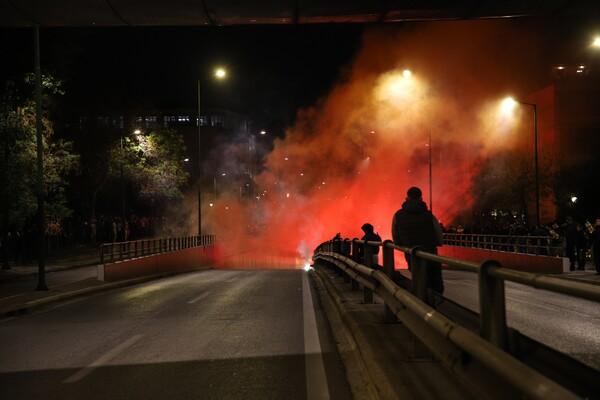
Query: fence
point(537, 245)
point(494, 354)
point(119, 251)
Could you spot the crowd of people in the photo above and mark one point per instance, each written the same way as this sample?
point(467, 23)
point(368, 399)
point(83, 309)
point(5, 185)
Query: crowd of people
point(19, 246)
point(414, 225)
point(580, 240)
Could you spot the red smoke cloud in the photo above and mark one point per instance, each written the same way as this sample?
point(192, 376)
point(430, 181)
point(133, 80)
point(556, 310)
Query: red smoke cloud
point(350, 158)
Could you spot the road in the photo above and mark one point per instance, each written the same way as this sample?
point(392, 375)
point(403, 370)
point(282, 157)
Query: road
point(206, 335)
point(565, 323)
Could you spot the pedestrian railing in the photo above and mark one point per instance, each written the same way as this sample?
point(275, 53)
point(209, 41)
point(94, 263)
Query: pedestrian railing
point(493, 353)
point(119, 251)
point(538, 245)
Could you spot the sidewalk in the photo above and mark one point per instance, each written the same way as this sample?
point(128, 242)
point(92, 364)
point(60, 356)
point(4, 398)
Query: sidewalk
point(28, 298)
point(70, 258)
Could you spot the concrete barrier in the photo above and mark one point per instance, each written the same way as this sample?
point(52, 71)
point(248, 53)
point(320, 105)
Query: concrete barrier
point(172, 261)
point(517, 261)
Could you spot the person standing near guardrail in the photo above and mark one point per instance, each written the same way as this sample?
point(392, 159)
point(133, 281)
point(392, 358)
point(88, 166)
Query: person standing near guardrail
point(370, 236)
point(569, 231)
point(414, 225)
point(596, 245)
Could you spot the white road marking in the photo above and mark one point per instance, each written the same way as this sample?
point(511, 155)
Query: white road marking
point(203, 295)
point(82, 373)
point(316, 380)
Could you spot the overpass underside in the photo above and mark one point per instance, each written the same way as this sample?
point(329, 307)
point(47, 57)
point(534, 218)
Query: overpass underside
point(23, 13)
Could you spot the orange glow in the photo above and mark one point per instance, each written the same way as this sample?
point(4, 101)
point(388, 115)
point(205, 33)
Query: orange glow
point(350, 158)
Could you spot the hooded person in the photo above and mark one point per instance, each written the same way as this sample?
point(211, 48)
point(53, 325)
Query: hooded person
point(370, 236)
point(414, 225)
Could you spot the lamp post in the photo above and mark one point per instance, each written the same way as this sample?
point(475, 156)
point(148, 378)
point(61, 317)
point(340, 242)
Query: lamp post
point(430, 176)
point(41, 286)
point(252, 160)
point(220, 74)
point(407, 74)
point(510, 102)
point(123, 206)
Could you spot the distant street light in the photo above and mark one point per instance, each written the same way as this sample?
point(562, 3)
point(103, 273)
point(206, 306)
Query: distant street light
point(219, 74)
point(596, 42)
point(507, 104)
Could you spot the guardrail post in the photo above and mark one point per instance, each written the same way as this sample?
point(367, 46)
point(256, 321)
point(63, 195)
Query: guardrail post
point(368, 260)
point(492, 306)
point(419, 271)
point(388, 269)
point(355, 245)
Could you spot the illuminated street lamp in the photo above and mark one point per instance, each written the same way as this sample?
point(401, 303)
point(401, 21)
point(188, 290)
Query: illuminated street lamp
point(509, 103)
point(596, 42)
point(219, 74)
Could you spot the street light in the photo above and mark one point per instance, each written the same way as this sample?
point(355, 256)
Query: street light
point(509, 103)
point(219, 74)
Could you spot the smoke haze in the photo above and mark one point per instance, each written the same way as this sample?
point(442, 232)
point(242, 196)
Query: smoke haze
point(351, 157)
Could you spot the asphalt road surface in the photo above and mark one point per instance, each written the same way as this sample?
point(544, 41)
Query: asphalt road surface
point(567, 324)
point(208, 335)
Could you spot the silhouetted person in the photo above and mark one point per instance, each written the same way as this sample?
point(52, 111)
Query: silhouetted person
point(595, 239)
point(581, 246)
point(414, 225)
point(371, 236)
point(570, 233)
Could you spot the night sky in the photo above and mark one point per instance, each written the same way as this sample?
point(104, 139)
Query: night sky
point(272, 70)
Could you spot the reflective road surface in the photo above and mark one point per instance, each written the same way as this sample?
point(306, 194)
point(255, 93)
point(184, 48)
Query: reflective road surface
point(205, 335)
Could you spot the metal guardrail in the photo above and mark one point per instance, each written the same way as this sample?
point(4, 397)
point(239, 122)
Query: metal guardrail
point(490, 361)
point(538, 245)
point(119, 251)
